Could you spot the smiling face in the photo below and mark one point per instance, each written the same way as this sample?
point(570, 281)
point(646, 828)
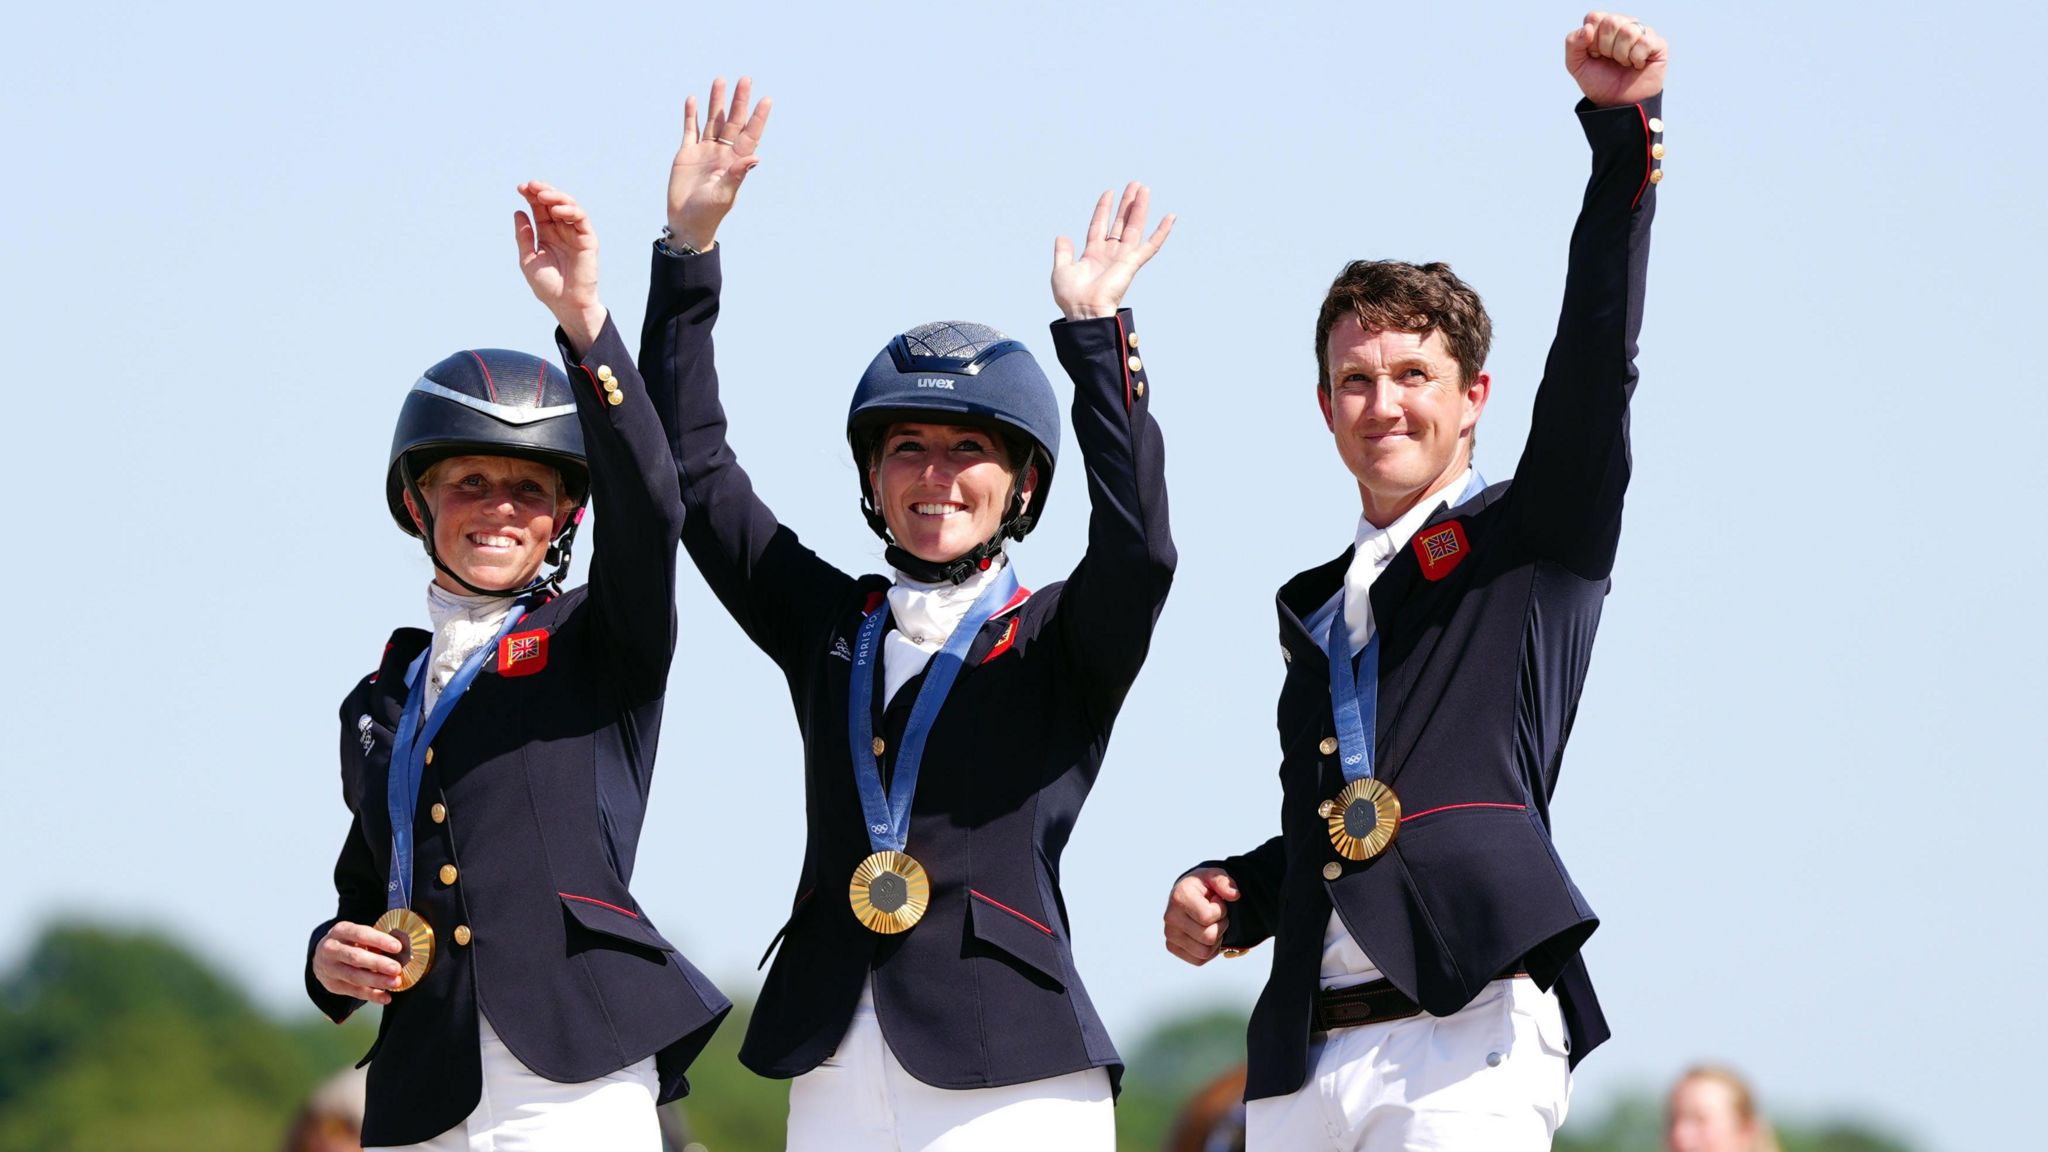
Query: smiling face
point(943, 488)
point(1401, 412)
point(494, 517)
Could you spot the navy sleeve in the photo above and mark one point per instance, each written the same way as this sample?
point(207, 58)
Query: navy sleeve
point(639, 513)
point(780, 592)
point(1568, 487)
point(1111, 602)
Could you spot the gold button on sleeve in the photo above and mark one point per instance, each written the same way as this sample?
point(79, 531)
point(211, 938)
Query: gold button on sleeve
point(1136, 364)
point(604, 372)
point(616, 398)
point(1332, 870)
point(1132, 339)
point(439, 812)
point(448, 873)
point(1328, 745)
point(1139, 387)
point(1657, 151)
point(462, 933)
point(1657, 176)
point(1656, 124)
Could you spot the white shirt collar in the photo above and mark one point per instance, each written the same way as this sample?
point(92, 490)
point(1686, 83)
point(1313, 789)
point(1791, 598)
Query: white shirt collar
point(1375, 549)
point(924, 615)
point(462, 624)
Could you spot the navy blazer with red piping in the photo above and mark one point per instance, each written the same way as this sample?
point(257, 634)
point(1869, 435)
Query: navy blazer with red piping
point(1486, 626)
point(541, 776)
point(983, 991)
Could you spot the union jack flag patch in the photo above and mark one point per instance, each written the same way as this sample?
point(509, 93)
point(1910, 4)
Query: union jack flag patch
point(1441, 550)
point(523, 653)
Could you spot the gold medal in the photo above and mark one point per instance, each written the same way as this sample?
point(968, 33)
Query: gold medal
point(889, 892)
point(1363, 819)
point(417, 935)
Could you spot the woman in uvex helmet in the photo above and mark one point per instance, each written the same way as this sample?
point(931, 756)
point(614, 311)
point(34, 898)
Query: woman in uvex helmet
point(497, 763)
point(953, 718)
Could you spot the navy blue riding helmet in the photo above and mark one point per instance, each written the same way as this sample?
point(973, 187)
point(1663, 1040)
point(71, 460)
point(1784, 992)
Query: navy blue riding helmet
point(957, 373)
point(489, 402)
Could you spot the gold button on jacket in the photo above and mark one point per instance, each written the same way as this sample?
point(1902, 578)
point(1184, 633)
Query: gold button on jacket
point(439, 812)
point(1328, 745)
point(448, 873)
point(462, 933)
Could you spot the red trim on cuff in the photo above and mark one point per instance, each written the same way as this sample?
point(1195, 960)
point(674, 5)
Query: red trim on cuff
point(976, 893)
point(1648, 160)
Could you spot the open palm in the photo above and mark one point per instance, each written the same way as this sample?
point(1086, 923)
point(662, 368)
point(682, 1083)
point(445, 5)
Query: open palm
point(1094, 284)
point(714, 160)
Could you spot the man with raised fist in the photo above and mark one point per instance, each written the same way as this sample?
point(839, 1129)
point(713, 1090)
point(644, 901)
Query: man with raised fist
point(1427, 990)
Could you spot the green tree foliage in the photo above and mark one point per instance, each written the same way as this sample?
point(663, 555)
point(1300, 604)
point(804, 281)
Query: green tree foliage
point(1167, 1067)
point(122, 1040)
point(115, 1039)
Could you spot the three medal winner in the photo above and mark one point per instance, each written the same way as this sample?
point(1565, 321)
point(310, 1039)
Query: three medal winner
point(953, 722)
point(1426, 989)
point(498, 764)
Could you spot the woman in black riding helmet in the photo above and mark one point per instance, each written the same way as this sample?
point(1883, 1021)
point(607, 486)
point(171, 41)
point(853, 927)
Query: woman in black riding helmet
point(497, 766)
point(925, 995)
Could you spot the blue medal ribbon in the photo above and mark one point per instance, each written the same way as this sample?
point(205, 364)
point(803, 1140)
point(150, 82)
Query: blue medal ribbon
point(1354, 687)
point(887, 810)
point(409, 751)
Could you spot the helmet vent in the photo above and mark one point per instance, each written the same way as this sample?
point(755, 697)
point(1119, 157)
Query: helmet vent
point(951, 340)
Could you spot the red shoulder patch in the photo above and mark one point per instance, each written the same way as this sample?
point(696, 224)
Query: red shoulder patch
point(381, 657)
point(1003, 645)
point(1441, 549)
point(523, 653)
point(875, 599)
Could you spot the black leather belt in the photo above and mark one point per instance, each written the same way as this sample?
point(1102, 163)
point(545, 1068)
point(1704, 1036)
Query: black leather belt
point(1374, 1002)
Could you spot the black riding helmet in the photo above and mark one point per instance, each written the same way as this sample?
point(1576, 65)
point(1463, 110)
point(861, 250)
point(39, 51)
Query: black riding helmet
point(489, 402)
point(957, 373)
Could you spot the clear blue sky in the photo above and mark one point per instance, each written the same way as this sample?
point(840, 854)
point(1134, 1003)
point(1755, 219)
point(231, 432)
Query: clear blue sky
point(1805, 790)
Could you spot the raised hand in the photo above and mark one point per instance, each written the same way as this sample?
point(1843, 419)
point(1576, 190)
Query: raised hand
point(1616, 59)
point(712, 162)
point(1197, 912)
point(1094, 285)
point(558, 256)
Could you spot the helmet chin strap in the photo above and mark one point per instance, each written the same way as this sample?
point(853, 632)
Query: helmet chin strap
point(959, 570)
point(557, 554)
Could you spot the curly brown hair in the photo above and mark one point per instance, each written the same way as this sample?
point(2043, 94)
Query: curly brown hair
point(1396, 296)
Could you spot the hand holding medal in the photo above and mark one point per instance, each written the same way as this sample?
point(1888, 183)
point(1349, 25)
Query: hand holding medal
point(352, 960)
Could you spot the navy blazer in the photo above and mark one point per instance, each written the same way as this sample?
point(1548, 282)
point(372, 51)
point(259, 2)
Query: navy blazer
point(1486, 626)
point(982, 991)
point(534, 795)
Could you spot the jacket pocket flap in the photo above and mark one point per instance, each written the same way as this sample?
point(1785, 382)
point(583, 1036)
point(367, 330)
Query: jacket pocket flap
point(613, 920)
point(1017, 934)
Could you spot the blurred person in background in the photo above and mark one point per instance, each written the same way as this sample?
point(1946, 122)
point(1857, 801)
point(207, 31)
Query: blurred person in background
point(331, 1119)
point(1711, 1109)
